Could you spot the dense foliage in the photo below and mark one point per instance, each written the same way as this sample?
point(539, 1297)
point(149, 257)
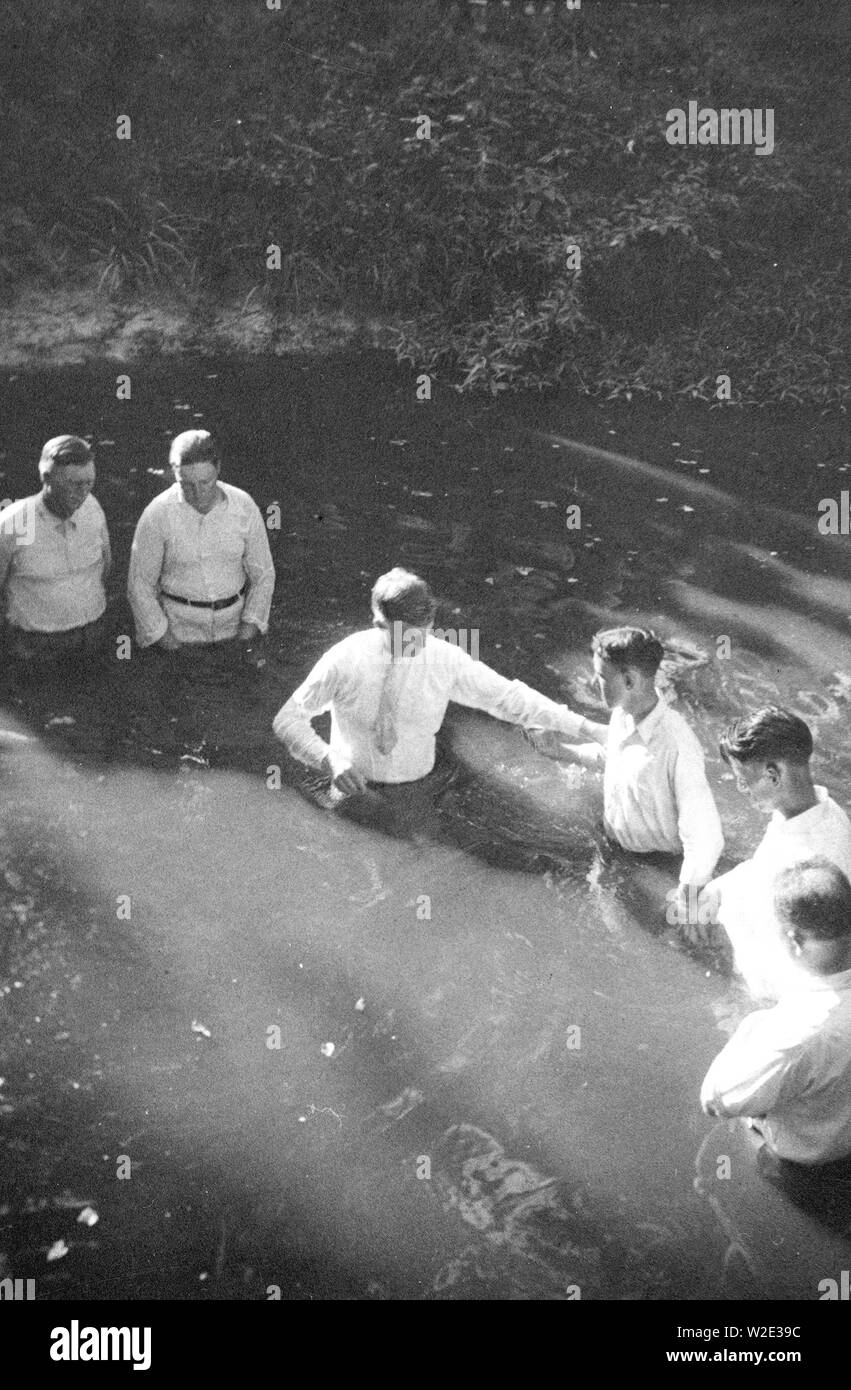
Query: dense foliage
point(299, 127)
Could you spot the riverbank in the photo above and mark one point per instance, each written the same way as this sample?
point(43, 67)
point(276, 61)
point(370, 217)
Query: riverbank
point(506, 199)
point(63, 327)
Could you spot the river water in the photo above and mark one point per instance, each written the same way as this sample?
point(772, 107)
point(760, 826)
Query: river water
point(510, 1106)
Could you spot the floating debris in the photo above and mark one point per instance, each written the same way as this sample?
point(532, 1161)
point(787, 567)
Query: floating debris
point(327, 1049)
point(360, 1006)
point(57, 1250)
point(60, 719)
point(199, 1028)
point(88, 1216)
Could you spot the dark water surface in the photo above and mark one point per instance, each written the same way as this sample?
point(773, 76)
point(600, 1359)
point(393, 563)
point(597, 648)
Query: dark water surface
point(456, 1143)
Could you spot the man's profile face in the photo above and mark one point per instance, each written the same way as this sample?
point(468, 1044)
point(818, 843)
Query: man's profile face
point(610, 681)
point(198, 484)
point(754, 780)
point(67, 486)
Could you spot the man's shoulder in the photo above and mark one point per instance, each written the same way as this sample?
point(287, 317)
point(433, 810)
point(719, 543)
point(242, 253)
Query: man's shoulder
point(159, 505)
point(92, 509)
point(446, 650)
point(675, 729)
point(239, 496)
point(837, 814)
point(355, 646)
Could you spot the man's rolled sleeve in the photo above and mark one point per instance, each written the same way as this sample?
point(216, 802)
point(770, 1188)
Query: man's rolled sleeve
point(698, 821)
point(146, 561)
point(478, 687)
point(260, 570)
point(292, 724)
point(750, 1075)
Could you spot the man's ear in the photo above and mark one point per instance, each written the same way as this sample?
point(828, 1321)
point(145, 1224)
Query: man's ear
point(774, 771)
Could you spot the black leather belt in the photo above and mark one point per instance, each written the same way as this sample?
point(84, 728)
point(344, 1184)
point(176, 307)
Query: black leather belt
point(206, 603)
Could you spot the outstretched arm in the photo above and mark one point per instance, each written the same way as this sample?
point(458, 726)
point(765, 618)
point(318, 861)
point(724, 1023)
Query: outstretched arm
point(478, 687)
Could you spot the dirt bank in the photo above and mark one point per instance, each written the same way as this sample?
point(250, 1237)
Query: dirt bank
point(64, 326)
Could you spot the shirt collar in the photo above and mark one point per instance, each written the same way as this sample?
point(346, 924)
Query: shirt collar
point(51, 518)
point(792, 824)
point(646, 727)
point(223, 501)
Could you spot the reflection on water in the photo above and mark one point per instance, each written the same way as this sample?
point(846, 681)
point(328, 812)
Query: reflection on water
point(450, 1056)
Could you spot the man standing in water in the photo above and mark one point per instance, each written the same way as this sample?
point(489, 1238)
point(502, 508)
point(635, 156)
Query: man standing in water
point(387, 689)
point(54, 557)
point(769, 753)
point(789, 1067)
point(201, 569)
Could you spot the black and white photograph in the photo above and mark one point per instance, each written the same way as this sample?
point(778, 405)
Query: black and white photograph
point(425, 665)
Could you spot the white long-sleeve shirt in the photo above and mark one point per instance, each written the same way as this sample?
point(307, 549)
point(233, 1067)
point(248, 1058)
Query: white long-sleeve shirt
point(52, 568)
point(746, 908)
point(792, 1066)
point(348, 681)
point(655, 792)
point(202, 556)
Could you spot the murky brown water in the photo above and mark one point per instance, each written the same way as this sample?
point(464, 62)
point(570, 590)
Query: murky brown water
point(456, 1144)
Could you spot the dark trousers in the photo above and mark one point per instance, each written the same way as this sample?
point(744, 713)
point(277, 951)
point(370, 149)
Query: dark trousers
point(45, 648)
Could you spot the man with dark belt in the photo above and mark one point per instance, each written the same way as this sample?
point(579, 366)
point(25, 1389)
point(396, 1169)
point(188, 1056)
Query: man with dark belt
point(201, 569)
point(54, 557)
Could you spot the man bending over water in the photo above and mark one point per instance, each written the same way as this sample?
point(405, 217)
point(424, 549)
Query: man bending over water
point(388, 697)
point(789, 1067)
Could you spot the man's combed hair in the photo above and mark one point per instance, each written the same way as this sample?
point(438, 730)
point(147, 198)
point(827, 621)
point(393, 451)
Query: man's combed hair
point(629, 646)
point(814, 896)
point(64, 450)
point(402, 597)
point(770, 735)
point(194, 446)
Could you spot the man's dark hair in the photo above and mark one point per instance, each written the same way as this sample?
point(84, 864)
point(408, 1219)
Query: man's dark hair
point(64, 450)
point(770, 735)
point(629, 646)
point(815, 897)
point(402, 597)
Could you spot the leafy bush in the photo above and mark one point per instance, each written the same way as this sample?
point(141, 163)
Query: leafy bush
point(299, 127)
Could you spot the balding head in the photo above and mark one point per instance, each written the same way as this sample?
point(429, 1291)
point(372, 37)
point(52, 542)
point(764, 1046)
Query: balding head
point(812, 901)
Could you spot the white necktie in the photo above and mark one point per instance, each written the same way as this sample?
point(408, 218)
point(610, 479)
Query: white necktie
point(384, 728)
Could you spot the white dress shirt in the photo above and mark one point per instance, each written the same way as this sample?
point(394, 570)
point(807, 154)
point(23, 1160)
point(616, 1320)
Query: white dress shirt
point(348, 680)
point(202, 556)
point(746, 908)
point(655, 792)
point(792, 1065)
point(52, 568)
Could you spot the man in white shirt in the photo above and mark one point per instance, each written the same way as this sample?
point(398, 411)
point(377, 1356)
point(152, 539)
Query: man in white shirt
point(655, 793)
point(54, 557)
point(770, 752)
point(388, 688)
point(789, 1067)
point(201, 569)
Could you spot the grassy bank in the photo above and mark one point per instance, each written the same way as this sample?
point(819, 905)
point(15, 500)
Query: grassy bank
point(298, 128)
